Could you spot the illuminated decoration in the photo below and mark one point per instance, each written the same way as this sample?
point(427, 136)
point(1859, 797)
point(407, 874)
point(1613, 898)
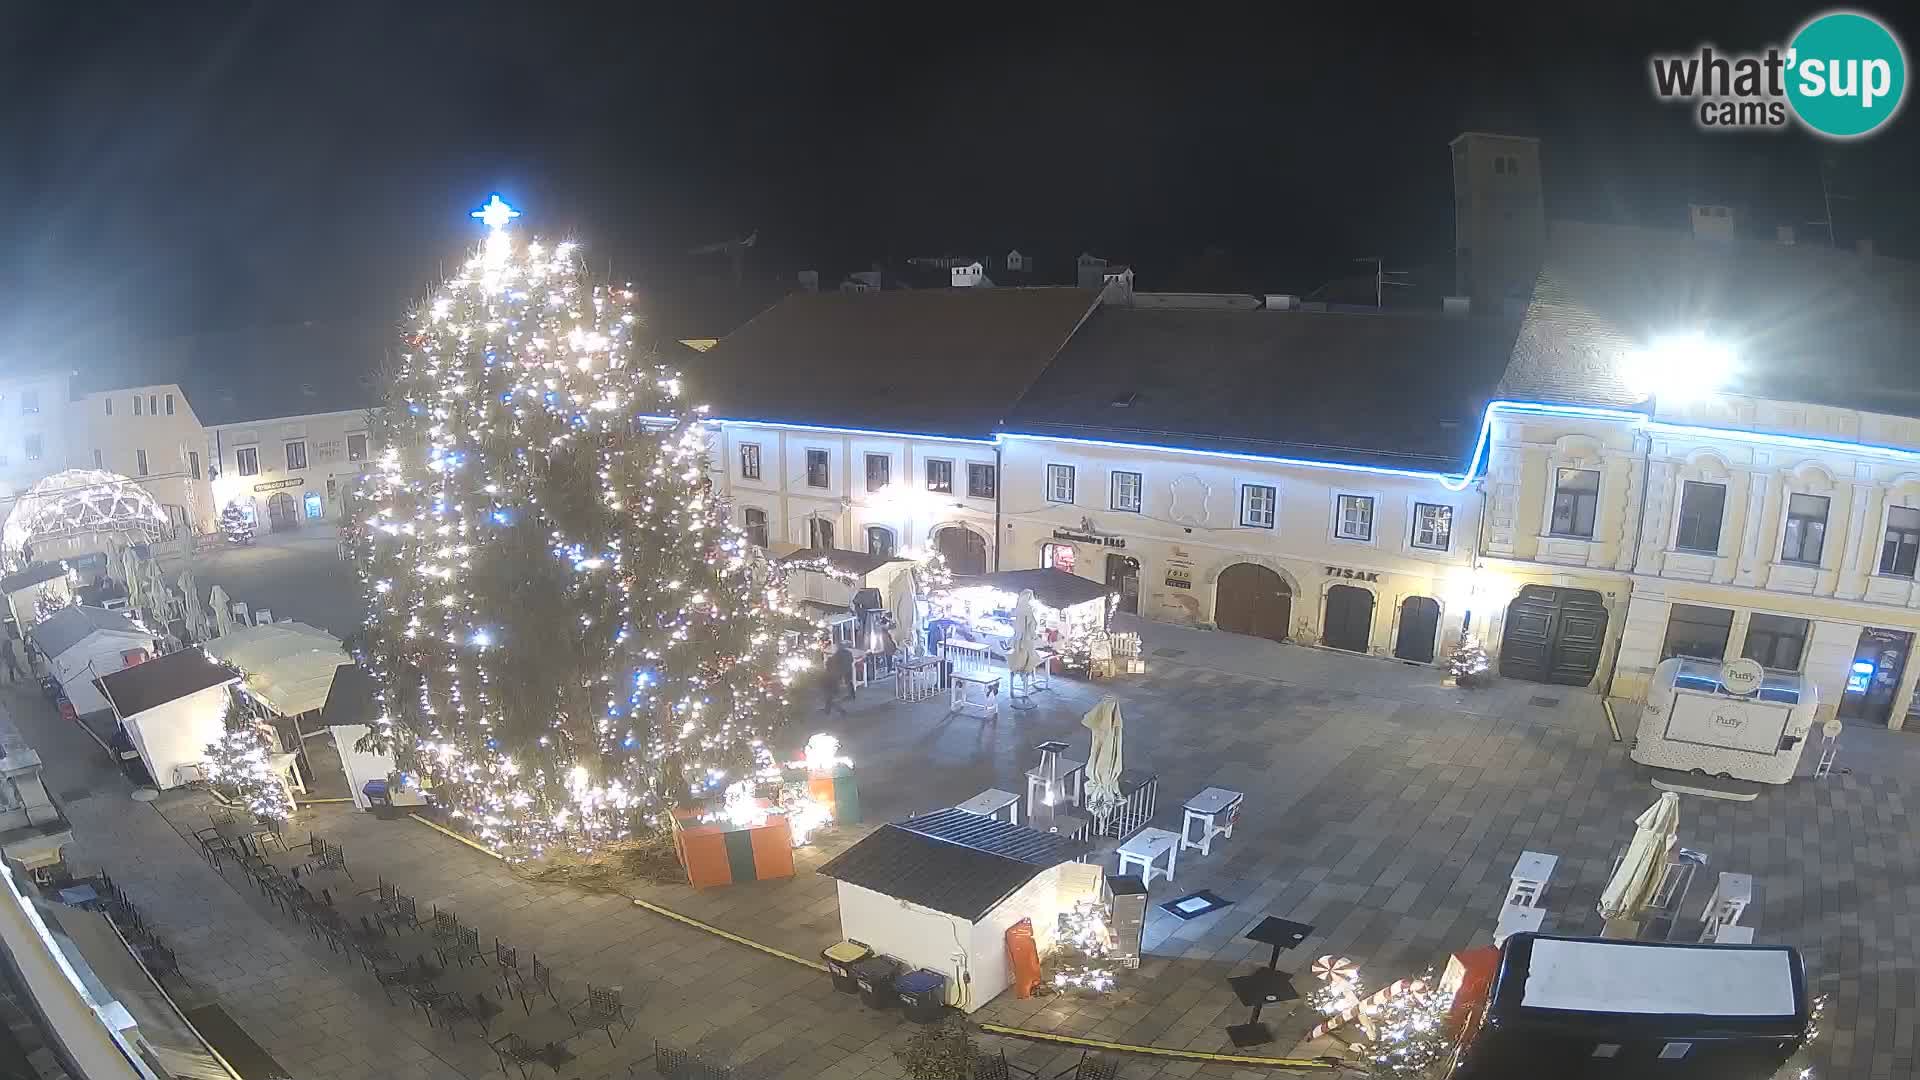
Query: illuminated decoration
point(81, 504)
point(1082, 945)
point(564, 628)
point(48, 601)
point(1678, 367)
point(241, 762)
point(235, 525)
point(818, 790)
point(823, 754)
point(986, 611)
point(1469, 663)
point(1404, 1030)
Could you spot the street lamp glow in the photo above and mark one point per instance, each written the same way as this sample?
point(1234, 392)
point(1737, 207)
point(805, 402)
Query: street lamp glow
point(1679, 367)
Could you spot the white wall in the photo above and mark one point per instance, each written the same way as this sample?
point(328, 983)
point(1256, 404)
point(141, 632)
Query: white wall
point(96, 655)
point(921, 937)
point(178, 732)
point(174, 442)
point(47, 425)
point(359, 766)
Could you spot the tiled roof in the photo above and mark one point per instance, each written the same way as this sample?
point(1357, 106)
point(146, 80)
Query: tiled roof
point(951, 861)
point(1393, 390)
point(1805, 323)
point(136, 689)
point(929, 362)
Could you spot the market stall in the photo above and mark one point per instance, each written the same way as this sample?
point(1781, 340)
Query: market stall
point(348, 714)
point(171, 709)
point(849, 591)
point(941, 891)
point(1732, 720)
point(83, 643)
point(288, 668)
point(1070, 609)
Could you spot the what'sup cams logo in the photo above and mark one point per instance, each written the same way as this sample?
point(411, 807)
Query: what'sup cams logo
point(1843, 75)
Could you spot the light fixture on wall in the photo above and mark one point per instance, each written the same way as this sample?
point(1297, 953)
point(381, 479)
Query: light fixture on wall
point(1679, 367)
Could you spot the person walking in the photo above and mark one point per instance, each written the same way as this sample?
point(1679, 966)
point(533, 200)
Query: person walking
point(6, 655)
point(839, 670)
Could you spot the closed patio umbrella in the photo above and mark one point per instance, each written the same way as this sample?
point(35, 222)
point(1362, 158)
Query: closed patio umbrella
point(1102, 791)
point(192, 612)
point(222, 611)
point(1026, 629)
point(906, 614)
point(1624, 902)
point(136, 581)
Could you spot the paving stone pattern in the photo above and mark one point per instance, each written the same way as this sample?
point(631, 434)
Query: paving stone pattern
point(1381, 808)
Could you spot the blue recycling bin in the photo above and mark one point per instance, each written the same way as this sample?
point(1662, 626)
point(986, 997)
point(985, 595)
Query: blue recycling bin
point(923, 995)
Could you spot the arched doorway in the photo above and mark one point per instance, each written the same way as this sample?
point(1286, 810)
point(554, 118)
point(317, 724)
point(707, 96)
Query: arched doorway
point(1419, 622)
point(1553, 635)
point(964, 550)
point(1123, 577)
point(880, 541)
point(1253, 600)
point(281, 513)
point(1349, 621)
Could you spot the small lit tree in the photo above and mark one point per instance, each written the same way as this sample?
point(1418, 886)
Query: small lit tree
point(240, 763)
point(234, 524)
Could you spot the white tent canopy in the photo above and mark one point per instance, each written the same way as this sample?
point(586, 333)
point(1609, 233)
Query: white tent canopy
point(289, 665)
point(79, 504)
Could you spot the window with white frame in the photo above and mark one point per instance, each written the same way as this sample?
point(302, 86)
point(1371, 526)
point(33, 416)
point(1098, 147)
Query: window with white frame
point(749, 461)
point(819, 534)
point(940, 476)
point(880, 541)
point(1702, 507)
point(982, 482)
point(817, 470)
point(136, 405)
point(756, 525)
point(246, 460)
point(169, 404)
point(1432, 526)
point(1901, 548)
point(1354, 517)
point(356, 448)
point(1257, 505)
point(1806, 534)
point(1060, 483)
point(140, 462)
point(1576, 502)
point(296, 455)
point(879, 471)
point(1125, 494)
point(33, 447)
point(1776, 641)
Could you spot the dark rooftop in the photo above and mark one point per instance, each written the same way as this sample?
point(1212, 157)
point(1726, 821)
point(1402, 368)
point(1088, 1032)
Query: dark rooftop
point(1806, 323)
point(951, 861)
point(136, 689)
point(930, 362)
point(32, 575)
point(350, 698)
point(1411, 388)
point(859, 563)
point(74, 623)
point(1055, 588)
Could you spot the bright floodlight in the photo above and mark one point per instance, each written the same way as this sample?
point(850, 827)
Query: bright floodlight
point(1679, 367)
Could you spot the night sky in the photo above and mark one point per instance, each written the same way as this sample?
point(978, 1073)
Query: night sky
point(173, 174)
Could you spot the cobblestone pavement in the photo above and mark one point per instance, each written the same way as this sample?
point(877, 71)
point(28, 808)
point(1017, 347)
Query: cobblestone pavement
point(1381, 808)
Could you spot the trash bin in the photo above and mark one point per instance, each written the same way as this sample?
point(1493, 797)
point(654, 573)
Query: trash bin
point(923, 994)
point(840, 958)
point(875, 975)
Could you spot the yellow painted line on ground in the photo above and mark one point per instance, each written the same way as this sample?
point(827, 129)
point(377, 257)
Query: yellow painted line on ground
point(1158, 1051)
point(717, 932)
point(1611, 722)
point(444, 831)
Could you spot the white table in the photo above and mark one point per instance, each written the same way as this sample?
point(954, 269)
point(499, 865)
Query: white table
point(990, 802)
point(1734, 935)
point(1144, 849)
point(916, 680)
point(1069, 772)
point(1206, 808)
point(967, 657)
point(1041, 677)
point(1515, 918)
point(1531, 872)
point(960, 698)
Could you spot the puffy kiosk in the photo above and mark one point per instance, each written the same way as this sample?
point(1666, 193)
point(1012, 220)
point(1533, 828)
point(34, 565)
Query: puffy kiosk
point(1730, 720)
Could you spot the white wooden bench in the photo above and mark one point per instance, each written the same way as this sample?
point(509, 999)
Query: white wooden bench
point(1208, 808)
point(1531, 872)
point(960, 698)
point(1144, 850)
point(991, 802)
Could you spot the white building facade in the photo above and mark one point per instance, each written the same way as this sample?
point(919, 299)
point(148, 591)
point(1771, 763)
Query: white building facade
point(291, 472)
point(34, 431)
point(149, 434)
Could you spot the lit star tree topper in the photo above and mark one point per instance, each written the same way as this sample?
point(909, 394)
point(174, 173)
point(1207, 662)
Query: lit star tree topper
point(563, 624)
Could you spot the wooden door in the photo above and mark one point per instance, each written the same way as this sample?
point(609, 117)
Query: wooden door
point(1253, 600)
point(1419, 623)
point(281, 514)
point(965, 550)
point(1349, 621)
point(1553, 636)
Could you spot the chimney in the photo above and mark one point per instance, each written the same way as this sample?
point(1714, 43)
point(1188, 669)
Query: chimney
point(1282, 301)
point(810, 280)
point(1784, 234)
point(1864, 246)
point(1713, 223)
point(1456, 305)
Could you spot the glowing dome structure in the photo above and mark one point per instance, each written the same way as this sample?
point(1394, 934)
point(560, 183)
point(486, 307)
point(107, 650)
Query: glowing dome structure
point(78, 504)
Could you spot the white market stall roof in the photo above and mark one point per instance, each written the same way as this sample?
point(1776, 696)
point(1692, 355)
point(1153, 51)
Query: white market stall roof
point(289, 665)
point(75, 623)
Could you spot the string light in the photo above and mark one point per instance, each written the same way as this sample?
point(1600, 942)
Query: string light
point(565, 628)
point(1084, 941)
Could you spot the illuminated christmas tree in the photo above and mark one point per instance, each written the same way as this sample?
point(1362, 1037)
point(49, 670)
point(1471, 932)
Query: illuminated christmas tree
point(563, 623)
point(240, 764)
point(235, 526)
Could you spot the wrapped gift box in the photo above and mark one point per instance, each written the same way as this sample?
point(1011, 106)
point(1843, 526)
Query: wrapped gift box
point(722, 853)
